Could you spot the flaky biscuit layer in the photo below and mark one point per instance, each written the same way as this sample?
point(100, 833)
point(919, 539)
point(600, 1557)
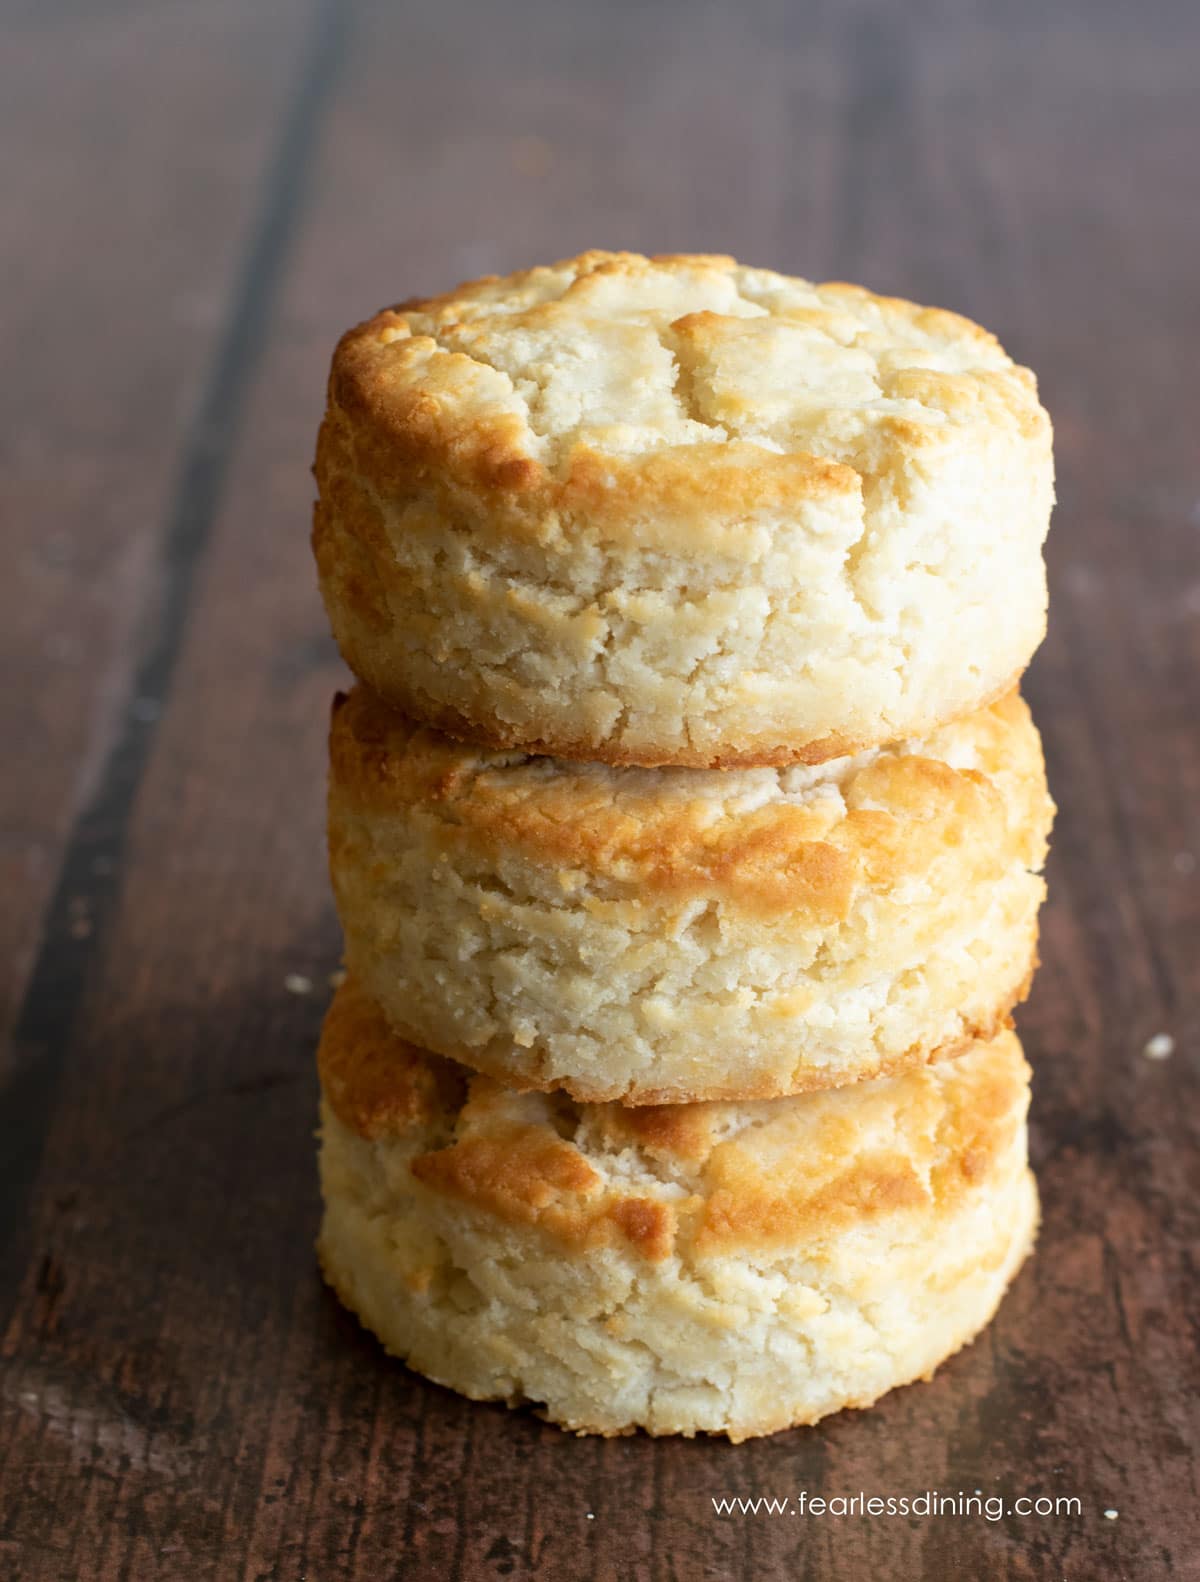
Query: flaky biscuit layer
point(674, 934)
point(733, 1268)
point(680, 511)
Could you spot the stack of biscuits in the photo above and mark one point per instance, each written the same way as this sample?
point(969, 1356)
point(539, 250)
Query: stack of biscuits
point(686, 828)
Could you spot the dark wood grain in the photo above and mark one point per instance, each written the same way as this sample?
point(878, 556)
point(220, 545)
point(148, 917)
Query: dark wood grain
point(132, 144)
point(206, 196)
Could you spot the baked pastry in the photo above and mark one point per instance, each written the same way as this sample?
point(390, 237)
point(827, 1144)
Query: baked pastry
point(721, 1268)
point(675, 510)
point(661, 935)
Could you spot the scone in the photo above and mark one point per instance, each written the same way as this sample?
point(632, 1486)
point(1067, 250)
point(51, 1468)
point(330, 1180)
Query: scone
point(720, 1268)
point(662, 935)
point(675, 510)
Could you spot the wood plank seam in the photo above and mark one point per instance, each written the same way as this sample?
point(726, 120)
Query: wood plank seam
point(90, 869)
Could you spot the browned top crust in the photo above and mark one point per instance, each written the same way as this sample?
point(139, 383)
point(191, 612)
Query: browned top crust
point(766, 840)
point(376, 1084)
point(611, 382)
point(706, 1179)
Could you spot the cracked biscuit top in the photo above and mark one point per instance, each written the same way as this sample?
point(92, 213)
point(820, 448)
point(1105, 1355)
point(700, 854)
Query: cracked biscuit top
point(535, 381)
point(677, 510)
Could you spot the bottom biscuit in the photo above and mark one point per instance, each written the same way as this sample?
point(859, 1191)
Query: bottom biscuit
point(720, 1268)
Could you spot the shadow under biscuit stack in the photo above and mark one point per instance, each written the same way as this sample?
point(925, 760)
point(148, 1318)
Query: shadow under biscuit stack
point(686, 828)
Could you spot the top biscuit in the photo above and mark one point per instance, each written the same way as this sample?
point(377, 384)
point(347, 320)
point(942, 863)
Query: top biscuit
point(675, 510)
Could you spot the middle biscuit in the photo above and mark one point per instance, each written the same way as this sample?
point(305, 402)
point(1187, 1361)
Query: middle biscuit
point(670, 935)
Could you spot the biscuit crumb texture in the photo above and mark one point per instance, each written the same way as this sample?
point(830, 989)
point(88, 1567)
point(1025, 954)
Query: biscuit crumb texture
point(676, 510)
point(711, 1268)
point(661, 935)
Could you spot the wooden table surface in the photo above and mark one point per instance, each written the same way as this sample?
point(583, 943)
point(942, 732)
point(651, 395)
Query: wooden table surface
point(198, 198)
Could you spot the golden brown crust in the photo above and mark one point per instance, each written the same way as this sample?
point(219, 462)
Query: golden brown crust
point(673, 835)
point(527, 1176)
point(761, 1176)
point(430, 396)
point(375, 1083)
